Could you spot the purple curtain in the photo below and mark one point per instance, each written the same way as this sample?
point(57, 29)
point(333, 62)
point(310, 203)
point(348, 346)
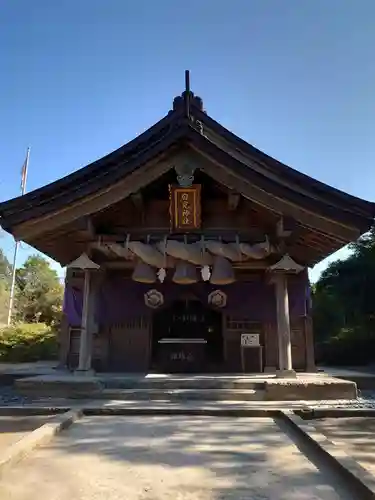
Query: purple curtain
point(121, 299)
point(297, 295)
point(73, 300)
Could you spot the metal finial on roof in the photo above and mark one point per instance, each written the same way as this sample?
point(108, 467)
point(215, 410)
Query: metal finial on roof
point(187, 101)
point(187, 93)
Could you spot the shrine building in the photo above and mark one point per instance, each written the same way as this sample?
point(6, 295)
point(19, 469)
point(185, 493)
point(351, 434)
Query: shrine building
point(187, 250)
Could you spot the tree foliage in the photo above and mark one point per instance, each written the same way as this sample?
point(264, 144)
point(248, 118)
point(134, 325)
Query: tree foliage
point(5, 268)
point(344, 308)
point(5, 279)
point(39, 294)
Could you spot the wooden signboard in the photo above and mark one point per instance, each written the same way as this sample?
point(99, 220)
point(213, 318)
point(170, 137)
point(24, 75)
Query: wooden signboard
point(185, 207)
point(251, 353)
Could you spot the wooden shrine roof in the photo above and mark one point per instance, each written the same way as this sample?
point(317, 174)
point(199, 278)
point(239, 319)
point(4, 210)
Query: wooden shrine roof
point(231, 160)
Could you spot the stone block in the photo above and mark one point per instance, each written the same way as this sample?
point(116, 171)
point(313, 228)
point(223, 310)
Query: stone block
point(311, 389)
point(69, 386)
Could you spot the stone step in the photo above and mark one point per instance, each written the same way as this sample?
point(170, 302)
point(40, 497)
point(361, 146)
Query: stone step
point(171, 383)
point(181, 394)
point(189, 387)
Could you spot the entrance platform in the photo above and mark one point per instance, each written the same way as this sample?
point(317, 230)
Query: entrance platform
point(362, 376)
point(175, 388)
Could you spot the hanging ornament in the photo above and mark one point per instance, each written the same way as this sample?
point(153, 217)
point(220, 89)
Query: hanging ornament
point(154, 299)
point(161, 274)
point(217, 298)
point(143, 273)
point(222, 271)
point(206, 273)
point(185, 273)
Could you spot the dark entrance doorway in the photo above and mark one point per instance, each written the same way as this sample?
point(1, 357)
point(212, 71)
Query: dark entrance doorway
point(187, 337)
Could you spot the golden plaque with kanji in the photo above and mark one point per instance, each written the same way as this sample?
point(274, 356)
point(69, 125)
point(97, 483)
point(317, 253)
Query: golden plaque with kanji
point(185, 207)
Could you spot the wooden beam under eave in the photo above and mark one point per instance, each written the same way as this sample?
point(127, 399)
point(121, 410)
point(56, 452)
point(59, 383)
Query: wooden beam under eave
point(233, 200)
point(227, 233)
point(244, 265)
point(287, 232)
point(285, 227)
point(137, 200)
point(85, 228)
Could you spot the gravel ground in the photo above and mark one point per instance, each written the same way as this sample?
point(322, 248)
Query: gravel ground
point(9, 397)
point(366, 400)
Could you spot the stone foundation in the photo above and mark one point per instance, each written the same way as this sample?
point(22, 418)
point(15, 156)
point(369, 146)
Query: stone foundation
point(311, 389)
point(207, 388)
point(65, 386)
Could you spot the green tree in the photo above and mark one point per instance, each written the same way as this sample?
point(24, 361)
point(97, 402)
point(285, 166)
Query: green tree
point(343, 305)
point(39, 294)
point(5, 279)
point(5, 268)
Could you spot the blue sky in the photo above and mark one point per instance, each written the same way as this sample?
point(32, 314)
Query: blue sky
point(80, 78)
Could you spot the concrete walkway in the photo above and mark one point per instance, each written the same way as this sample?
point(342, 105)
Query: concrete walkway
point(174, 458)
point(355, 435)
point(13, 428)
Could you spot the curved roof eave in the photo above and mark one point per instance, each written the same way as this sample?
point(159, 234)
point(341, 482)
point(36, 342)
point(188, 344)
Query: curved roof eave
point(271, 163)
point(332, 211)
point(103, 180)
point(124, 160)
point(89, 171)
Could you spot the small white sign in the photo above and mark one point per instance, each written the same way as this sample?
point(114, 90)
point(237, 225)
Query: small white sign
point(249, 339)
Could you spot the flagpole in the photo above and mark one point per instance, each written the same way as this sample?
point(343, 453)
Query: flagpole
point(17, 243)
point(24, 172)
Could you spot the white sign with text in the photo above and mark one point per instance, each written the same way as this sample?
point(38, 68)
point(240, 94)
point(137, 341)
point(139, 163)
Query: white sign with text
point(249, 339)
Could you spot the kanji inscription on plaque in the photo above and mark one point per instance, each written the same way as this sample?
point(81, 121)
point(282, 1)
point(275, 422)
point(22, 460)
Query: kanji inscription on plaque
point(185, 207)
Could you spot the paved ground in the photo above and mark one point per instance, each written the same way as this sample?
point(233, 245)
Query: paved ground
point(356, 435)
point(173, 458)
point(26, 368)
point(12, 429)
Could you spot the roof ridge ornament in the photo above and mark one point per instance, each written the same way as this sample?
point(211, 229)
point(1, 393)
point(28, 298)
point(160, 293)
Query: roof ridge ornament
point(187, 93)
point(187, 100)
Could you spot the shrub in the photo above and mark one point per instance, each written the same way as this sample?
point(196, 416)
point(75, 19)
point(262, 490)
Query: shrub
point(350, 347)
point(25, 342)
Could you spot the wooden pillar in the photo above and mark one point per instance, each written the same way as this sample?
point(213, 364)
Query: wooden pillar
point(85, 346)
point(283, 326)
point(84, 263)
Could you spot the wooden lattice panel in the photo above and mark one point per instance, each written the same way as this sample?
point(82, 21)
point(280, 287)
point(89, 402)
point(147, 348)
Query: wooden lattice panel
point(298, 341)
point(129, 345)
